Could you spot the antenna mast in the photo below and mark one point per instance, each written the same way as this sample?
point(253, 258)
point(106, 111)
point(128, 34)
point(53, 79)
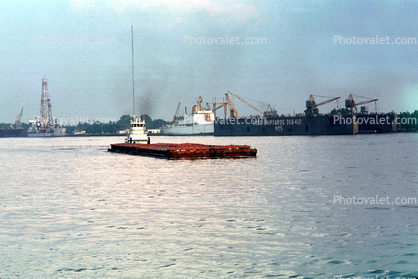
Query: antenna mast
point(133, 71)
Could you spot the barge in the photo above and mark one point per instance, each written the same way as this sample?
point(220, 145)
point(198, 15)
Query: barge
point(184, 150)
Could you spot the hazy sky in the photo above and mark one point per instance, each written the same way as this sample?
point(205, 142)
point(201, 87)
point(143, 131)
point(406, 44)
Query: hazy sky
point(298, 54)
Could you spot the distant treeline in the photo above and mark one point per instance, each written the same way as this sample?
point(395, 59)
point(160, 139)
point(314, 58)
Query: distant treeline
point(102, 128)
point(8, 125)
point(408, 121)
point(114, 127)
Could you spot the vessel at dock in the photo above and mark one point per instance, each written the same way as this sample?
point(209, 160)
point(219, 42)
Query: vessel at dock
point(199, 122)
point(14, 131)
point(44, 125)
point(344, 122)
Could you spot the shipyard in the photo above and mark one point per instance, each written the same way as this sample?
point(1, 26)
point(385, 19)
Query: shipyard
point(204, 120)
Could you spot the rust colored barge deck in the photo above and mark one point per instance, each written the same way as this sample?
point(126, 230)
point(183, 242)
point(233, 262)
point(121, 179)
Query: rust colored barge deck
point(184, 150)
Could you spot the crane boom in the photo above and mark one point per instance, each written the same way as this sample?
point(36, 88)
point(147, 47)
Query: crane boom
point(232, 110)
point(366, 102)
point(247, 103)
point(310, 103)
point(18, 123)
point(327, 101)
point(199, 102)
point(176, 116)
point(350, 103)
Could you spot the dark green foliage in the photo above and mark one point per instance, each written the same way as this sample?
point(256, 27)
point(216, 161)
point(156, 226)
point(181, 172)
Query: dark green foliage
point(408, 121)
point(114, 127)
point(9, 125)
point(341, 110)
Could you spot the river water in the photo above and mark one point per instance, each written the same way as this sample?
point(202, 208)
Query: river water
point(306, 207)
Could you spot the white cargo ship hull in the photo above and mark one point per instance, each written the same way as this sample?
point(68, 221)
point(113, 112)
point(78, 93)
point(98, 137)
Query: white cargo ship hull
point(200, 122)
point(47, 133)
point(189, 129)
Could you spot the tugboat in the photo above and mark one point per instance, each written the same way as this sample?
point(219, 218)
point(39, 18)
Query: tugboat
point(137, 133)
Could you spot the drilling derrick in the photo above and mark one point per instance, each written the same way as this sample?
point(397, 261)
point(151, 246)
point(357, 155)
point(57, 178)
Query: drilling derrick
point(46, 111)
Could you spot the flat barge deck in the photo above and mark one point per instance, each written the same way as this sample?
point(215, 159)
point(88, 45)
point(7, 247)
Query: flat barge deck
point(184, 150)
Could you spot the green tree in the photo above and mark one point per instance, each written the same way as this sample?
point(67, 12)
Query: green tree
point(157, 123)
point(124, 120)
point(146, 118)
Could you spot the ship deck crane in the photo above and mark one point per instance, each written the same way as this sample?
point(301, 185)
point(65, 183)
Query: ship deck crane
point(199, 102)
point(245, 102)
point(351, 104)
point(312, 106)
point(232, 110)
point(207, 115)
point(18, 123)
point(176, 116)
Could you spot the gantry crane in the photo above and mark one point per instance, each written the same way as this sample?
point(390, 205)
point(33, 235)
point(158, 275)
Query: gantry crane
point(176, 116)
point(352, 105)
point(232, 110)
point(312, 106)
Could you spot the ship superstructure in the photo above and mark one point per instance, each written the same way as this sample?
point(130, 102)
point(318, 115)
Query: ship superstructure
point(137, 133)
point(199, 122)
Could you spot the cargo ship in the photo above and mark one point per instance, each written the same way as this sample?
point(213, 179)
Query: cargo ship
point(199, 122)
point(345, 122)
point(44, 125)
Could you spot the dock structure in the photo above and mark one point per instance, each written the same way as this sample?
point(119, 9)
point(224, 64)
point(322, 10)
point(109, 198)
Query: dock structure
point(184, 150)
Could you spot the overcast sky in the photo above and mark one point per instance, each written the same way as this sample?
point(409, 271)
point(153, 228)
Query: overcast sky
point(83, 48)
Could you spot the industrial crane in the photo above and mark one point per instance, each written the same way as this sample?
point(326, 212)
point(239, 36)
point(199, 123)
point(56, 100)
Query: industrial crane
point(18, 123)
point(245, 102)
point(217, 106)
point(207, 115)
point(199, 102)
point(232, 110)
point(351, 104)
point(176, 116)
point(312, 106)
point(270, 112)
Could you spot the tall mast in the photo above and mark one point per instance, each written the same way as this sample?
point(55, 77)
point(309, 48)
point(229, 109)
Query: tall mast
point(46, 111)
point(133, 71)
